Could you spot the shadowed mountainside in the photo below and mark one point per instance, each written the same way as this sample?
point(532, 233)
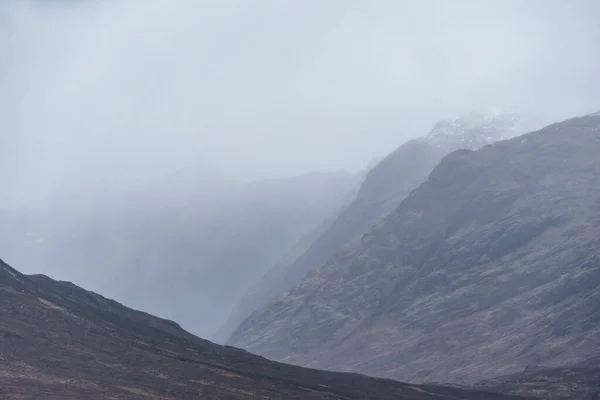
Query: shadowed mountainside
point(385, 186)
point(491, 265)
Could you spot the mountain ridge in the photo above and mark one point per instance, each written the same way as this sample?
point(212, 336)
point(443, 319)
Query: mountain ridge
point(385, 185)
point(499, 247)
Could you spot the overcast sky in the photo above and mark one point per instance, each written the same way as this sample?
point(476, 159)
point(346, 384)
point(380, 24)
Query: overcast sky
point(110, 92)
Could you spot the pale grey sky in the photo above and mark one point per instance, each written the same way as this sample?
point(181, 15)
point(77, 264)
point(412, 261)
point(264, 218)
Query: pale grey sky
point(110, 92)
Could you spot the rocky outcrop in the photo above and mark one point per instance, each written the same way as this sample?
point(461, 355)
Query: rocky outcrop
point(491, 265)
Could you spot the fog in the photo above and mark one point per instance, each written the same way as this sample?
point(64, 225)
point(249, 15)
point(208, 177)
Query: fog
point(110, 94)
point(136, 135)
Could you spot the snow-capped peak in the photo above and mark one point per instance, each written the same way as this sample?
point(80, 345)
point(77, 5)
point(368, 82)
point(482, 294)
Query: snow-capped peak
point(477, 129)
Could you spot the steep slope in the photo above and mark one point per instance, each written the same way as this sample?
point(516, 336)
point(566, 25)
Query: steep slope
point(491, 265)
point(58, 341)
point(384, 187)
point(375, 198)
point(185, 247)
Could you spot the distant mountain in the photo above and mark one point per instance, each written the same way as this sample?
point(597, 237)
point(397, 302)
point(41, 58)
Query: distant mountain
point(490, 266)
point(58, 341)
point(385, 186)
point(185, 247)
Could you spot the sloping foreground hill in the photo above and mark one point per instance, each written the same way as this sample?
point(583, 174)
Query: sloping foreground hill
point(384, 187)
point(58, 341)
point(491, 265)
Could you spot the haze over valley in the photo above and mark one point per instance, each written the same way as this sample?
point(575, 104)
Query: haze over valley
point(386, 199)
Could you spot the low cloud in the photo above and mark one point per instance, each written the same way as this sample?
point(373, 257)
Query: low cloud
point(106, 94)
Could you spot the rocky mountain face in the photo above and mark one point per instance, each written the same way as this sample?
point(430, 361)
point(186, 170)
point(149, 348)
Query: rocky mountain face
point(384, 187)
point(185, 247)
point(490, 266)
point(58, 341)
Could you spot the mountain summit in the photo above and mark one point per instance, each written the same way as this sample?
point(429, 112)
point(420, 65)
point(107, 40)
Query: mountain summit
point(490, 266)
point(477, 129)
point(384, 187)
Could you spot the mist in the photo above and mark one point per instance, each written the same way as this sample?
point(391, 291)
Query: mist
point(408, 190)
point(99, 95)
point(168, 154)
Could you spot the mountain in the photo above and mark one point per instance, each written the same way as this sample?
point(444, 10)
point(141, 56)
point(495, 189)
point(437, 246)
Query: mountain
point(185, 247)
point(384, 187)
point(58, 341)
point(490, 266)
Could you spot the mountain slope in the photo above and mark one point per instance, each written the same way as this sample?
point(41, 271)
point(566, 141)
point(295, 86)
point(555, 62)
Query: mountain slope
point(580, 381)
point(375, 199)
point(491, 265)
point(384, 187)
point(58, 341)
point(185, 247)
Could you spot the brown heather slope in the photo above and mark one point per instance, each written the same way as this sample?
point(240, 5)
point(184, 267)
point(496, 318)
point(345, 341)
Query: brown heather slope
point(58, 341)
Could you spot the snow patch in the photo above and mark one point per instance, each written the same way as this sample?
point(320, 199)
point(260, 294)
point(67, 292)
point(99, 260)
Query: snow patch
point(475, 129)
